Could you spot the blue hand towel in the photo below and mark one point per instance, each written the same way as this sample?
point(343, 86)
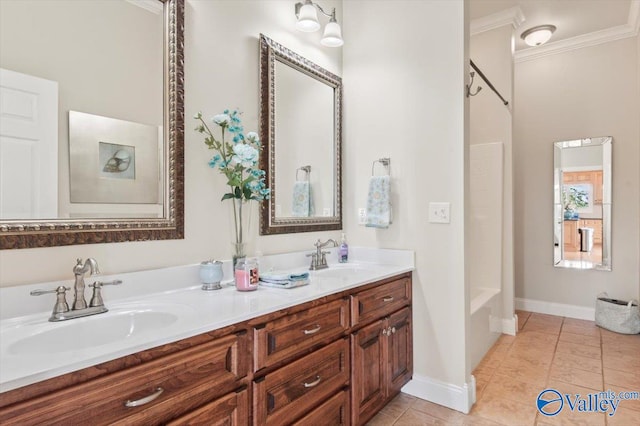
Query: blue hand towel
point(301, 203)
point(379, 202)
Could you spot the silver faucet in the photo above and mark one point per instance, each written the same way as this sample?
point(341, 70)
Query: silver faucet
point(79, 270)
point(319, 258)
point(79, 308)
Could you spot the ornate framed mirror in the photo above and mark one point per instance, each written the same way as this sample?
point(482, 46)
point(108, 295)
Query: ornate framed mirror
point(115, 134)
point(301, 132)
point(582, 203)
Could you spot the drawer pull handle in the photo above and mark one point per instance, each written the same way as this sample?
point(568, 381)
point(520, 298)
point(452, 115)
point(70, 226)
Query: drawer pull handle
point(388, 299)
point(314, 383)
point(145, 400)
point(313, 330)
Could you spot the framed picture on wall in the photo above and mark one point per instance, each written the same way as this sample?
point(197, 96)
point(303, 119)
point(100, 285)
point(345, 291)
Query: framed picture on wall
point(113, 161)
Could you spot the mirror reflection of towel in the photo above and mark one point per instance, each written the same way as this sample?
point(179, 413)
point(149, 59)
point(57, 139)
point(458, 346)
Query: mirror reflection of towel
point(301, 203)
point(379, 202)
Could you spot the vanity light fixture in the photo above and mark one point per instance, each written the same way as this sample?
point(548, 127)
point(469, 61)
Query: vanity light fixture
point(538, 35)
point(308, 22)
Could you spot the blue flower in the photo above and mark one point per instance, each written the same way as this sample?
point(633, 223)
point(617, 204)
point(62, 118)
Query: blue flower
point(215, 161)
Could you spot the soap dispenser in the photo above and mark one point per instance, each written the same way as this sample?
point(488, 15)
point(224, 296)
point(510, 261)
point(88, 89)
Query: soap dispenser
point(343, 252)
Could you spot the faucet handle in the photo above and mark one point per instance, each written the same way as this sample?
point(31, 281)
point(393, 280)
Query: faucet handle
point(98, 284)
point(61, 298)
point(96, 298)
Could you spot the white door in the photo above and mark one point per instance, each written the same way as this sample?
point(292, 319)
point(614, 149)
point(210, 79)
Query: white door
point(28, 147)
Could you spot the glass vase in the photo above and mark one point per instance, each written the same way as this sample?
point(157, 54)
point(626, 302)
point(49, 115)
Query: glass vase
point(241, 212)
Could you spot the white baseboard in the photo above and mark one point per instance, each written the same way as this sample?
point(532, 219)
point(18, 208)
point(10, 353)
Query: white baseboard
point(459, 398)
point(559, 309)
point(503, 325)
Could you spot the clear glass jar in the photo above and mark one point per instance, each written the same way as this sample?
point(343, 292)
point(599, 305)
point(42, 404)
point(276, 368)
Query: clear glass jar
point(246, 274)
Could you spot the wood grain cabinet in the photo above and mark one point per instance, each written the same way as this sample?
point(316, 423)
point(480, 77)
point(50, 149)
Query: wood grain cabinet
point(382, 349)
point(152, 392)
point(334, 360)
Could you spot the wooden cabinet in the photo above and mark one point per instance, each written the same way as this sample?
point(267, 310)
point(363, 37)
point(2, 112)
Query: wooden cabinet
point(285, 337)
point(382, 350)
point(231, 410)
point(334, 360)
point(333, 412)
point(290, 392)
point(597, 187)
point(153, 392)
point(571, 237)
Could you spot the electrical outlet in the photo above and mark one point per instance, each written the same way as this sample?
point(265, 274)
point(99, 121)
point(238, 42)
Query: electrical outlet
point(439, 213)
point(326, 212)
point(362, 216)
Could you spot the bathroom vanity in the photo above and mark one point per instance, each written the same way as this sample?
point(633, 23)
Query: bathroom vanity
point(333, 352)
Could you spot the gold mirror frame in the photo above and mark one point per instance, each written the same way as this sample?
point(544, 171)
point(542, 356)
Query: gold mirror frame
point(270, 52)
point(17, 234)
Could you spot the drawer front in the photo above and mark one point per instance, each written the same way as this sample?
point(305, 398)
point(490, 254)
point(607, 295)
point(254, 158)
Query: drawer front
point(290, 335)
point(155, 391)
point(380, 301)
point(333, 412)
point(230, 410)
point(289, 392)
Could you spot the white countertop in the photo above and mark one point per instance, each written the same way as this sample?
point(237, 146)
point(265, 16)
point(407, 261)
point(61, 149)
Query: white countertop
point(24, 318)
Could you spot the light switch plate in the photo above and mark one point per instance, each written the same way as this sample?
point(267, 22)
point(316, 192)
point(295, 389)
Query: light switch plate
point(362, 216)
point(439, 213)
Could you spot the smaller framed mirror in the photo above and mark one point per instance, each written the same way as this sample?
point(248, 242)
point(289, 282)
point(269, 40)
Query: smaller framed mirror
point(582, 203)
point(301, 130)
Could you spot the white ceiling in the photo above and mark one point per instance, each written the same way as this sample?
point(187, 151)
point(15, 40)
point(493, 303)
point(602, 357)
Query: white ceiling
point(571, 17)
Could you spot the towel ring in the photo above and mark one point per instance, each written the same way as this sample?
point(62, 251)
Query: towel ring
point(306, 169)
point(386, 162)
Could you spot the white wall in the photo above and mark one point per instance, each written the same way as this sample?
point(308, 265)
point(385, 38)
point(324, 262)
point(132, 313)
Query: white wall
point(404, 73)
point(591, 91)
point(221, 71)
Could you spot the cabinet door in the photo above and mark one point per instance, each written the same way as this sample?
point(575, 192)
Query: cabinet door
point(230, 410)
point(368, 370)
point(597, 187)
point(400, 352)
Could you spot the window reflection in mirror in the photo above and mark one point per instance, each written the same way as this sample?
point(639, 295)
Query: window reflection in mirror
point(582, 203)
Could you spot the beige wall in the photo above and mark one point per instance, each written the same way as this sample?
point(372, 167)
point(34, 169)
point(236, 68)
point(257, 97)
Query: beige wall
point(591, 91)
point(492, 121)
point(221, 71)
point(404, 71)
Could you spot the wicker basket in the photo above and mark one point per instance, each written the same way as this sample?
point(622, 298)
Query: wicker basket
point(617, 315)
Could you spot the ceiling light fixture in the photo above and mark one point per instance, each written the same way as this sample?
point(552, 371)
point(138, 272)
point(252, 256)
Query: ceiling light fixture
point(538, 35)
point(308, 22)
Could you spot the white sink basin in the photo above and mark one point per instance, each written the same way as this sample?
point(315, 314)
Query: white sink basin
point(345, 270)
point(93, 331)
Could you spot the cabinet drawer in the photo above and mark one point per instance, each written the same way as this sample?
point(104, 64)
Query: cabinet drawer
point(290, 335)
point(163, 388)
point(380, 301)
point(289, 392)
point(333, 412)
point(231, 410)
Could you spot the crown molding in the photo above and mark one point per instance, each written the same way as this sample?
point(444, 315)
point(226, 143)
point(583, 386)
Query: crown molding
point(630, 29)
point(153, 6)
point(512, 16)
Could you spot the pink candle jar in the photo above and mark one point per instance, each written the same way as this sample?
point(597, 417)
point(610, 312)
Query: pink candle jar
point(246, 275)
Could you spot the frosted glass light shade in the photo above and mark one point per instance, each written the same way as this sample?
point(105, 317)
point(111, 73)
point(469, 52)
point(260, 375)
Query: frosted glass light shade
point(538, 35)
point(308, 19)
point(332, 36)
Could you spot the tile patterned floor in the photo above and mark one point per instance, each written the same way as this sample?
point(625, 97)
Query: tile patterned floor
point(572, 356)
